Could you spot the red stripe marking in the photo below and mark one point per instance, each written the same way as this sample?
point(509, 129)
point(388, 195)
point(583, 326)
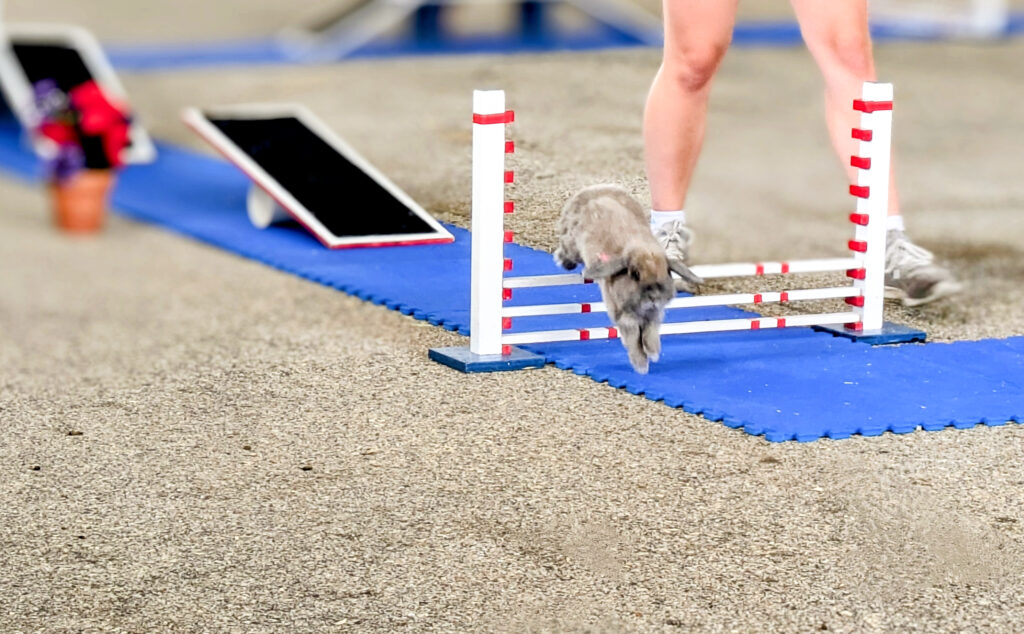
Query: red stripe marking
point(491, 119)
point(506, 293)
point(858, 326)
point(858, 246)
point(861, 162)
point(506, 323)
point(784, 296)
point(857, 274)
point(859, 191)
point(862, 135)
point(585, 308)
point(785, 268)
point(584, 335)
point(757, 298)
point(510, 207)
point(367, 245)
point(508, 264)
point(510, 147)
point(760, 269)
point(871, 106)
point(509, 236)
point(613, 333)
point(781, 323)
point(510, 177)
point(506, 350)
point(755, 325)
point(855, 301)
point(859, 219)
point(586, 281)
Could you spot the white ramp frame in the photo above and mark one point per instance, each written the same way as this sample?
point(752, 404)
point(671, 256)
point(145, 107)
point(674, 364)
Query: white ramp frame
point(490, 319)
point(364, 21)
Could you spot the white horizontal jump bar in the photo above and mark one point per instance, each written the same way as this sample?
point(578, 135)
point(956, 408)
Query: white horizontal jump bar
point(761, 322)
point(706, 271)
point(689, 327)
point(768, 297)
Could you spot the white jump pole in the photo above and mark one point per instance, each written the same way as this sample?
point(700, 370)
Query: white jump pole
point(872, 192)
point(489, 178)
point(696, 301)
point(706, 271)
point(684, 327)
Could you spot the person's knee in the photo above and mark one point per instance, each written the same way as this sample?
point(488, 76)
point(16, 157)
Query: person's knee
point(694, 67)
point(853, 54)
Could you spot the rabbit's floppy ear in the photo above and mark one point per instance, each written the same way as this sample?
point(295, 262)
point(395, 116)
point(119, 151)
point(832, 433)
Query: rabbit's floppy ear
point(683, 271)
point(605, 268)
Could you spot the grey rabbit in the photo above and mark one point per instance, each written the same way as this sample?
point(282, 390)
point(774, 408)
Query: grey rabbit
point(604, 228)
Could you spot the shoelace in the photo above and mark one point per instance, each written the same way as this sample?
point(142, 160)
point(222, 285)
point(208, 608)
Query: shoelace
point(901, 254)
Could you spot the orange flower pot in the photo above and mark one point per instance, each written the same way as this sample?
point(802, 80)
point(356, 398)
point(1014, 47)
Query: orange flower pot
point(80, 202)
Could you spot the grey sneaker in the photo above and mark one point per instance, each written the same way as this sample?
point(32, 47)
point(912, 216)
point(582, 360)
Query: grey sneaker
point(911, 273)
point(675, 237)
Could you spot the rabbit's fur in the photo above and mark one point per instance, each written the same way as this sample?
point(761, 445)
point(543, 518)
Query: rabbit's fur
point(608, 231)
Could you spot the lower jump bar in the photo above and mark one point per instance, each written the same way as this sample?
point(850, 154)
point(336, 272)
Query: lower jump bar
point(688, 327)
point(767, 297)
point(706, 271)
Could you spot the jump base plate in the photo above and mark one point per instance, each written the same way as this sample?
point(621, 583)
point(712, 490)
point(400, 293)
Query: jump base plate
point(460, 358)
point(889, 333)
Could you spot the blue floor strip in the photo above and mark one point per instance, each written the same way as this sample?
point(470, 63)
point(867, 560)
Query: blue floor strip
point(792, 384)
point(266, 51)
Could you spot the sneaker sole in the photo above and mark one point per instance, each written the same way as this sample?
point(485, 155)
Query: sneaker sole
point(940, 291)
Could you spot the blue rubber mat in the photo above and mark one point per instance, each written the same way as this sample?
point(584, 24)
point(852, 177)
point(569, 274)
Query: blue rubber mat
point(789, 384)
point(267, 51)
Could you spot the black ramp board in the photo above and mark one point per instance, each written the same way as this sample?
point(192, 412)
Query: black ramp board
point(344, 198)
point(62, 64)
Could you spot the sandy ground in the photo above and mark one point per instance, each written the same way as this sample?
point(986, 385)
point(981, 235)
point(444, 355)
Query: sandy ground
point(195, 442)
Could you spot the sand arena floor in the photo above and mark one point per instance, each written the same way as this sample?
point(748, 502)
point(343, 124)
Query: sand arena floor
point(196, 442)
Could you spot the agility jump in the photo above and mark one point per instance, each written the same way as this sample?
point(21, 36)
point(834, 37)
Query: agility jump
point(491, 346)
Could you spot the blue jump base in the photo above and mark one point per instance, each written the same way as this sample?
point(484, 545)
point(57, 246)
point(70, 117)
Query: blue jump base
point(463, 359)
point(888, 334)
point(784, 384)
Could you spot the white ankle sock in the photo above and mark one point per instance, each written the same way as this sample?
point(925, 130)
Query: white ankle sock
point(661, 218)
point(894, 223)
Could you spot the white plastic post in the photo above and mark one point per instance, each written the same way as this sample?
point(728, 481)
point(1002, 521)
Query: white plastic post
point(263, 209)
point(878, 122)
point(487, 224)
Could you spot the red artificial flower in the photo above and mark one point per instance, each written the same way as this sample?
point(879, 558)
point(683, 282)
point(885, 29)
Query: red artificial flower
point(99, 116)
point(59, 133)
point(114, 141)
